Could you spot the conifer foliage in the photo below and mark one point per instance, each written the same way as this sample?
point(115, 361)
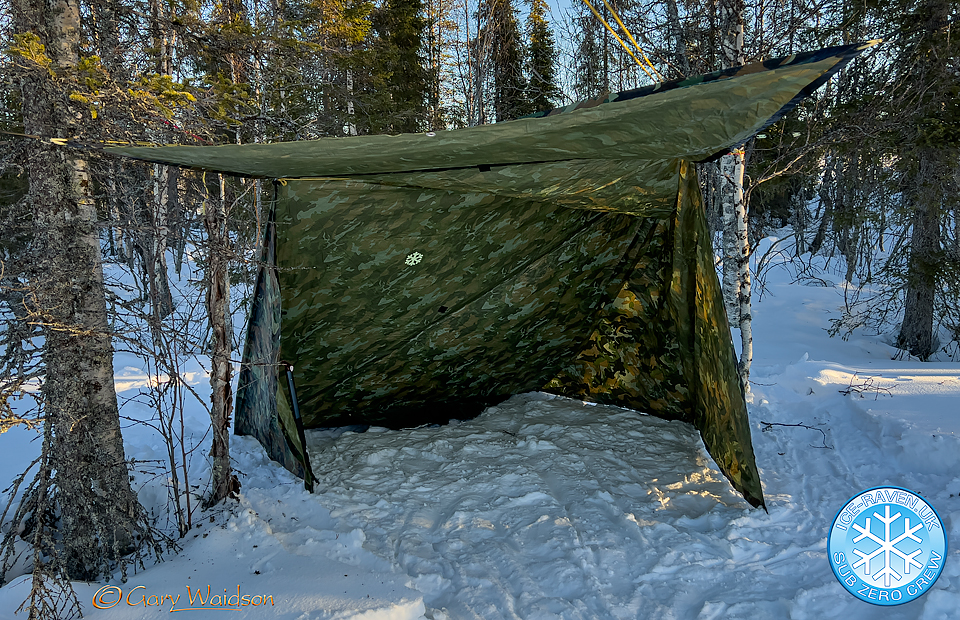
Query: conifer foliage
point(929, 155)
point(502, 37)
point(542, 90)
point(398, 69)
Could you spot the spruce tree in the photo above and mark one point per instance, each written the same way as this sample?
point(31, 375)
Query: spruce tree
point(542, 90)
point(399, 67)
point(506, 52)
point(902, 147)
point(930, 145)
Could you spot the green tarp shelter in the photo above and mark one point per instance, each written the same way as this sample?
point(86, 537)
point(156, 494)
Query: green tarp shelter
point(426, 276)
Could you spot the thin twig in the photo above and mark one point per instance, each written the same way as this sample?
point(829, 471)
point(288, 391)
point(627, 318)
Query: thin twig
point(769, 426)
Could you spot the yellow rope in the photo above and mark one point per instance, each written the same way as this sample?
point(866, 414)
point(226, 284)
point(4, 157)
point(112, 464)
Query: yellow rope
point(630, 36)
point(617, 37)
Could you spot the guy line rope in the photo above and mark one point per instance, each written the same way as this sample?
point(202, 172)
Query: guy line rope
point(656, 78)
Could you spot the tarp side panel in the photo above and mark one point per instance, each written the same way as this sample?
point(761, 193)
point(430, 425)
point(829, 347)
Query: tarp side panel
point(400, 300)
point(256, 410)
point(633, 358)
point(720, 408)
point(663, 346)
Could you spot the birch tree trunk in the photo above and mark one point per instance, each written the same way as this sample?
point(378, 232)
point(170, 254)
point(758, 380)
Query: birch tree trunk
point(99, 515)
point(728, 208)
point(235, 58)
point(154, 243)
point(742, 261)
point(218, 303)
point(153, 247)
point(736, 245)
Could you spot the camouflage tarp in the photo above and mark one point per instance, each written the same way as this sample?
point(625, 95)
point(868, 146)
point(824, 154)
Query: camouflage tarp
point(426, 276)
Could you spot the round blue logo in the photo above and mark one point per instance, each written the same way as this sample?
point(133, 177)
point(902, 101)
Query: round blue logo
point(887, 546)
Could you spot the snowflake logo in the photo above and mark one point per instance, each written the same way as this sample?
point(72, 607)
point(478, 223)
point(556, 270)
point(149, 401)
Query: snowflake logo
point(414, 259)
point(887, 547)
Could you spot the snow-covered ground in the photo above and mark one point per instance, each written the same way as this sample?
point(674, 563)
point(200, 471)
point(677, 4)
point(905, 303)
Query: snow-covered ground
point(544, 507)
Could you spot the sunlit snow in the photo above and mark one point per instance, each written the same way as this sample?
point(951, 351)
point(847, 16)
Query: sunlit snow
point(545, 507)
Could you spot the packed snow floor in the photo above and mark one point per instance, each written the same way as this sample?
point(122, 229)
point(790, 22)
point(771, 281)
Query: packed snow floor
point(548, 508)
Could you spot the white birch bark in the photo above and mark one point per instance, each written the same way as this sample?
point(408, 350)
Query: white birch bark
point(161, 300)
point(350, 128)
point(744, 318)
point(736, 255)
point(731, 282)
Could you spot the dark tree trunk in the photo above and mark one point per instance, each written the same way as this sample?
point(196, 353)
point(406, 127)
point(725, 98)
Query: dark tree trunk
point(929, 160)
point(828, 184)
point(98, 512)
point(916, 331)
point(678, 41)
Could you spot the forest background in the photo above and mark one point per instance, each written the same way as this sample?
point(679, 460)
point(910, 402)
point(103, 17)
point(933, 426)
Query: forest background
point(867, 170)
